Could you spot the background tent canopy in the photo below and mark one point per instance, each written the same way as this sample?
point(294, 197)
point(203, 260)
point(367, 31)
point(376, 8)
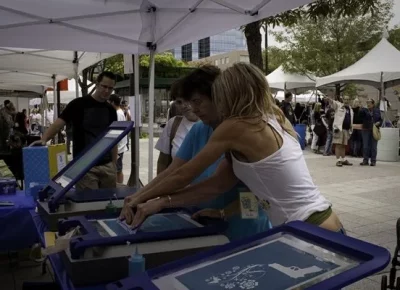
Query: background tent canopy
point(280, 80)
point(383, 58)
point(56, 62)
point(121, 26)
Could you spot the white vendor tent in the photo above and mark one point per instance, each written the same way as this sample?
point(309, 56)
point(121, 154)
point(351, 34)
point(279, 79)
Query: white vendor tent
point(65, 96)
point(380, 66)
point(281, 80)
point(121, 26)
point(23, 88)
point(58, 62)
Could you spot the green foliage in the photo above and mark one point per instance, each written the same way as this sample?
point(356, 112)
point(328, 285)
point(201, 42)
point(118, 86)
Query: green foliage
point(323, 46)
point(166, 59)
point(394, 37)
point(276, 57)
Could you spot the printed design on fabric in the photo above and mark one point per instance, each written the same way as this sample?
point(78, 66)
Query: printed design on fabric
point(239, 278)
point(295, 272)
point(265, 205)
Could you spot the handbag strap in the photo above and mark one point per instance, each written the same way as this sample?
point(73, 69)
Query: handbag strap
point(174, 129)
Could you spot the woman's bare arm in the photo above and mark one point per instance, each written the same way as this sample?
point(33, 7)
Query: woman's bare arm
point(221, 181)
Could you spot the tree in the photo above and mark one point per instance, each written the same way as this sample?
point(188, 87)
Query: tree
point(394, 37)
point(314, 11)
point(323, 46)
point(276, 57)
point(166, 59)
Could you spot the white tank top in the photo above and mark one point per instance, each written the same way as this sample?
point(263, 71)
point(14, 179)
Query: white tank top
point(283, 180)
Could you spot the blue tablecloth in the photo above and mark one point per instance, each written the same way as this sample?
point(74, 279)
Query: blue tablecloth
point(55, 260)
point(17, 230)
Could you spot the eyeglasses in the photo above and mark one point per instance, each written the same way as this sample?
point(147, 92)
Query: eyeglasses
point(106, 87)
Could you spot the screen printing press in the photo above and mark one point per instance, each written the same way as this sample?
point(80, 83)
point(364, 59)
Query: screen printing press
point(58, 199)
point(99, 252)
point(294, 256)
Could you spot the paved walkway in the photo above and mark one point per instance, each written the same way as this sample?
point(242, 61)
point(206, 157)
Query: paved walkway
point(367, 199)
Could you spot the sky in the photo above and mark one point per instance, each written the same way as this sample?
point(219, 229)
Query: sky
point(395, 21)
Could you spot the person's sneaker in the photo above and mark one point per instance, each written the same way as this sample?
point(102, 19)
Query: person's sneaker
point(347, 163)
point(339, 164)
point(373, 164)
point(364, 163)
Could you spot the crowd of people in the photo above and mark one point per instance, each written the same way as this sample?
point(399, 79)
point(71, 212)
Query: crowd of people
point(339, 127)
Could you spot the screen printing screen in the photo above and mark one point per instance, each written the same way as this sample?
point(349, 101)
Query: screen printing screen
point(285, 262)
point(97, 150)
point(154, 223)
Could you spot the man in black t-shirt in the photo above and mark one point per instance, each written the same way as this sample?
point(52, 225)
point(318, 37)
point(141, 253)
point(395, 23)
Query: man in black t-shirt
point(90, 116)
point(287, 108)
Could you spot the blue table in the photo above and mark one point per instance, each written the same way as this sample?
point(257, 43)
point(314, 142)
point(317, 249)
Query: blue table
point(293, 256)
point(60, 273)
point(17, 230)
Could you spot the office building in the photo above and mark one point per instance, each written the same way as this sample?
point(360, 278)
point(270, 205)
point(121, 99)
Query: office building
point(228, 41)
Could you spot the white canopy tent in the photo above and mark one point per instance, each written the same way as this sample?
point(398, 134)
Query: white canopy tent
point(65, 96)
point(24, 88)
point(281, 80)
point(379, 67)
point(133, 27)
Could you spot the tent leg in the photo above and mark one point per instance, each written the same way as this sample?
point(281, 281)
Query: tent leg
point(137, 120)
point(76, 81)
point(151, 113)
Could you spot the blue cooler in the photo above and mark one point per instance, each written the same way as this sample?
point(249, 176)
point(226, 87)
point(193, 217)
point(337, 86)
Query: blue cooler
point(301, 130)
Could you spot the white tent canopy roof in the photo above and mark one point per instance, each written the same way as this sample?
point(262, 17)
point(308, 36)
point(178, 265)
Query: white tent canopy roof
point(280, 80)
point(383, 58)
point(123, 26)
point(20, 87)
point(16, 79)
point(56, 62)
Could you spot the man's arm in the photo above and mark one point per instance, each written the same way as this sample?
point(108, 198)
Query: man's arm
point(223, 180)
point(114, 154)
point(53, 130)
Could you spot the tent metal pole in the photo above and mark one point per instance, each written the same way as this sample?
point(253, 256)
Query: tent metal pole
point(76, 68)
point(55, 116)
point(137, 119)
point(151, 113)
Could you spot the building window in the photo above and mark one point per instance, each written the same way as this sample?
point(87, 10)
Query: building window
point(204, 47)
point(244, 58)
point(226, 60)
point(216, 62)
point(222, 60)
point(187, 52)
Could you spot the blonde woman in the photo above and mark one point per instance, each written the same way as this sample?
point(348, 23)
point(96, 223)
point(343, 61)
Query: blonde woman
point(262, 151)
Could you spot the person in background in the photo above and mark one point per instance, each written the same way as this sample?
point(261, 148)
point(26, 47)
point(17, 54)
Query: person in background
point(26, 119)
point(287, 108)
point(90, 116)
point(370, 116)
point(342, 129)
point(329, 118)
point(356, 136)
point(35, 122)
point(127, 112)
point(7, 114)
point(197, 88)
point(48, 117)
point(175, 130)
point(115, 101)
point(319, 131)
point(173, 111)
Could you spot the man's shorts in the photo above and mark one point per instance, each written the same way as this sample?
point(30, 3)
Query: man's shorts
point(341, 137)
point(119, 162)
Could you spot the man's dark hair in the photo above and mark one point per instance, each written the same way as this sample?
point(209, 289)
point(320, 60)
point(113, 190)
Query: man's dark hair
point(6, 102)
point(288, 95)
point(106, 74)
point(176, 89)
point(199, 81)
point(124, 103)
point(115, 99)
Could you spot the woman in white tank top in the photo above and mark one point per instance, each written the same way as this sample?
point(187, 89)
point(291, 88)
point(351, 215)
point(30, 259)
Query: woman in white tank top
point(264, 153)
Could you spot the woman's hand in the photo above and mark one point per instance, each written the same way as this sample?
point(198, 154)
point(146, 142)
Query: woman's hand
point(208, 212)
point(127, 212)
point(144, 210)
